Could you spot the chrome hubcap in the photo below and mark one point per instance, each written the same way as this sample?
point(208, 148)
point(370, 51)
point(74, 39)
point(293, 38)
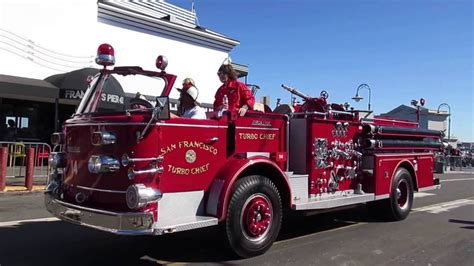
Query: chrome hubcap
point(256, 217)
point(399, 193)
point(402, 194)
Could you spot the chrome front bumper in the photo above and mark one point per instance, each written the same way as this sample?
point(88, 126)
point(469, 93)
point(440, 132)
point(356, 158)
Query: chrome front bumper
point(118, 223)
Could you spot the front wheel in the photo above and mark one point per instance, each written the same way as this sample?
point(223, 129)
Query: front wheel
point(254, 216)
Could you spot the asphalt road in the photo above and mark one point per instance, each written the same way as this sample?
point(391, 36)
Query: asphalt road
point(439, 231)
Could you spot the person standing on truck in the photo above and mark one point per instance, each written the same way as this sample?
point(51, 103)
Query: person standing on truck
point(239, 96)
point(188, 105)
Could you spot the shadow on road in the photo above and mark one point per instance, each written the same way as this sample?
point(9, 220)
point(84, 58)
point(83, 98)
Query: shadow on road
point(60, 243)
point(471, 223)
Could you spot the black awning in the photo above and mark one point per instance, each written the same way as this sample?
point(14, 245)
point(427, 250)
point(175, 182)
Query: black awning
point(27, 88)
point(72, 85)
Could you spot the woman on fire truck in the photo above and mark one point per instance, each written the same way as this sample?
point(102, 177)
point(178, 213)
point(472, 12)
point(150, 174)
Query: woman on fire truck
point(238, 95)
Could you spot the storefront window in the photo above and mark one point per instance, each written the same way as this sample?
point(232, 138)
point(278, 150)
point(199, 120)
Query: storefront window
point(19, 122)
point(26, 121)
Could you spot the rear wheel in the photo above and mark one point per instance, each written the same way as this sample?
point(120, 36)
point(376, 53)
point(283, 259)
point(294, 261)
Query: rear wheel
point(254, 216)
point(401, 196)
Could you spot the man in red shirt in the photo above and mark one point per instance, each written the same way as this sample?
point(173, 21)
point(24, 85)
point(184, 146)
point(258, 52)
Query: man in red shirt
point(239, 97)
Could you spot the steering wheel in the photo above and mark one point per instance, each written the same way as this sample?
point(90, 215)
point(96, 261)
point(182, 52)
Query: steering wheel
point(324, 95)
point(137, 103)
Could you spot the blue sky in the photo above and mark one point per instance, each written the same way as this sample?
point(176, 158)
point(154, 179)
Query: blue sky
point(403, 49)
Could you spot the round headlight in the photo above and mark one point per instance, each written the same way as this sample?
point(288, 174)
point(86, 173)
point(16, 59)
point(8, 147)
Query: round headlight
point(139, 195)
point(94, 164)
point(51, 160)
point(57, 159)
point(125, 159)
point(132, 197)
point(130, 174)
point(57, 138)
point(103, 164)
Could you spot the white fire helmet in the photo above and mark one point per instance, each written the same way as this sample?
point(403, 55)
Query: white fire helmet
point(193, 92)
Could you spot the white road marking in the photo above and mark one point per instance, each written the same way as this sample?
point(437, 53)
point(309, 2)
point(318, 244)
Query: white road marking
point(161, 262)
point(422, 194)
point(16, 223)
point(444, 206)
point(457, 179)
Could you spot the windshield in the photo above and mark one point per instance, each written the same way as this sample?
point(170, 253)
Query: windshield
point(111, 92)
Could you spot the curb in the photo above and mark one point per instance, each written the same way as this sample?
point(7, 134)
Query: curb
point(20, 190)
point(459, 172)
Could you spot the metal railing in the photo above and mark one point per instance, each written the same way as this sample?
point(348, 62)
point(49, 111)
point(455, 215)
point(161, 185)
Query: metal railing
point(17, 152)
point(453, 163)
point(458, 162)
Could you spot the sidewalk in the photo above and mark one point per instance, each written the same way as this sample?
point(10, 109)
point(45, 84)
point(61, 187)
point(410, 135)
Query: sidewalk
point(460, 170)
point(15, 182)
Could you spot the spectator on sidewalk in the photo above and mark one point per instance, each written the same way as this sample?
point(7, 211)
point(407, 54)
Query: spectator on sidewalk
point(11, 131)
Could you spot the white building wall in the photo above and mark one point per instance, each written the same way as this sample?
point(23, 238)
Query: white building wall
point(70, 31)
point(437, 125)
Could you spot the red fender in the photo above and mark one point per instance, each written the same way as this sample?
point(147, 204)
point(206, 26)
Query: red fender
point(221, 187)
point(415, 184)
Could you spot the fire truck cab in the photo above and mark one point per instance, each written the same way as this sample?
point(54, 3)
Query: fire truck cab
point(126, 167)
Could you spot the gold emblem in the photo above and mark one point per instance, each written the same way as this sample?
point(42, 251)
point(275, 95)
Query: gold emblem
point(190, 156)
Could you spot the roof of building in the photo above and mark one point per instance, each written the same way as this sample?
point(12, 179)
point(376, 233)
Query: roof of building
point(241, 70)
point(163, 18)
point(406, 108)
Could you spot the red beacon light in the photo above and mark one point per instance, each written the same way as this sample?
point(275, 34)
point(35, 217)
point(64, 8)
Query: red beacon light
point(422, 101)
point(161, 62)
point(105, 55)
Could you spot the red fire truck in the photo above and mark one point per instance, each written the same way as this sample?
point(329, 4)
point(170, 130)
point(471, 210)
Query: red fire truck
point(126, 167)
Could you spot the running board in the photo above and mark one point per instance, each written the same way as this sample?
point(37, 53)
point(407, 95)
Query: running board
point(183, 224)
point(331, 202)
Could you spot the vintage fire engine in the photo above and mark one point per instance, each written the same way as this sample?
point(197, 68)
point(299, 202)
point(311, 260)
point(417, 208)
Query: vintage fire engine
point(126, 167)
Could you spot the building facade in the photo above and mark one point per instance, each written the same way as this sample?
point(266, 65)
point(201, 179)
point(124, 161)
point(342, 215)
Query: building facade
point(429, 119)
point(40, 40)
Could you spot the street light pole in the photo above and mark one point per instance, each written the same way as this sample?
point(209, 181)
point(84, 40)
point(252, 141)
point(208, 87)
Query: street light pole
point(357, 98)
point(449, 119)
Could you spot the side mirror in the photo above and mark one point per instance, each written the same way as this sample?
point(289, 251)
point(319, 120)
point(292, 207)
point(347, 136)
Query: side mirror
point(163, 103)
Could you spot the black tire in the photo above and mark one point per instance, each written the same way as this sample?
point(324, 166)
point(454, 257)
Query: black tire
point(399, 204)
point(254, 216)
